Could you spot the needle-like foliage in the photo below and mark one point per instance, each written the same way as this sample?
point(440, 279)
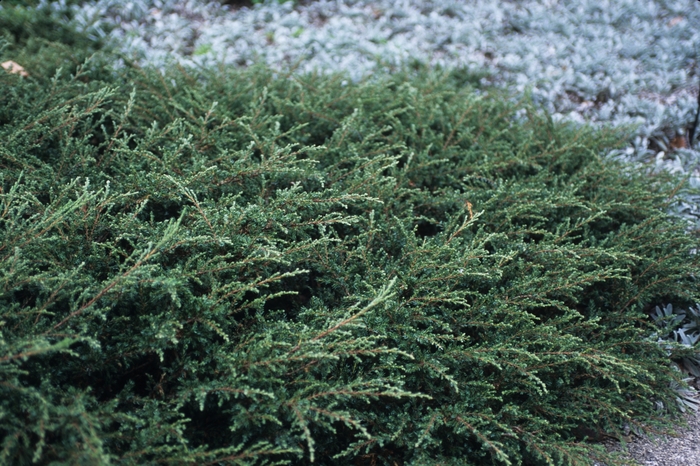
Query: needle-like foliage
point(232, 267)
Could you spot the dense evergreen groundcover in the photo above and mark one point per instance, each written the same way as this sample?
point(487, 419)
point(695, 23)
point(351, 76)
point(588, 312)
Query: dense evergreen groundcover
point(236, 267)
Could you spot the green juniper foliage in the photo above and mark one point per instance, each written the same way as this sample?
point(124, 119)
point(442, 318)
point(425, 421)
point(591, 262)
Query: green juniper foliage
point(237, 267)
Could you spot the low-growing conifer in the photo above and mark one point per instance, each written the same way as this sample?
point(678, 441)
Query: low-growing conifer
point(244, 267)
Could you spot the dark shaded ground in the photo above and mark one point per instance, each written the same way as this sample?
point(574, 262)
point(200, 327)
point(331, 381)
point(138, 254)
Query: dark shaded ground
point(249, 3)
